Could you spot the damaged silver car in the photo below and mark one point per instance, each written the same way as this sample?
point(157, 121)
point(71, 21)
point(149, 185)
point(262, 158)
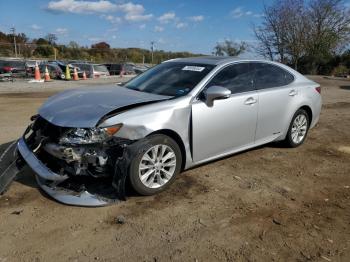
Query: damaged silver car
point(84, 145)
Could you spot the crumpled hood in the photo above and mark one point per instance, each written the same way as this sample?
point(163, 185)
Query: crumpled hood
point(85, 107)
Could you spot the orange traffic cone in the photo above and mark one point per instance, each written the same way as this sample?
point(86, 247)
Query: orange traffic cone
point(47, 75)
point(84, 76)
point(75, 74)
point(37, 73)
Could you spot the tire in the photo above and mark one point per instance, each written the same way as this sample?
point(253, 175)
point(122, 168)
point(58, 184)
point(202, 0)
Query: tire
point(147, 182)
point(293, 140)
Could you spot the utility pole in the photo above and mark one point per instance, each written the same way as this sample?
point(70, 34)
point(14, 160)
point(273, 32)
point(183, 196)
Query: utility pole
point(152, 49)
point(13, 30)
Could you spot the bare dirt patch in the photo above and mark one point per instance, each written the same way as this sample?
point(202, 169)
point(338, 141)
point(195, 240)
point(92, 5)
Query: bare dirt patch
point(266, 204)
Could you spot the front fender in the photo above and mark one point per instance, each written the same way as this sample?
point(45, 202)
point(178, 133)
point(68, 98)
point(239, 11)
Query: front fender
point(174, 115)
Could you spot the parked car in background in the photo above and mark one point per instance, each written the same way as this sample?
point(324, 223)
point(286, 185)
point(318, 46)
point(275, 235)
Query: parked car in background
point(126, 68)
point(100, 70)
point(13, 66)
point(63, 65)
point(55, 71)
point(30, 67)
point(129, 69)
point(93, 70)
point(139, 69)
point(85, 67)
point(114, 69)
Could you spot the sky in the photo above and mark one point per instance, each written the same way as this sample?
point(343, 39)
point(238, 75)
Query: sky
point(183, 25)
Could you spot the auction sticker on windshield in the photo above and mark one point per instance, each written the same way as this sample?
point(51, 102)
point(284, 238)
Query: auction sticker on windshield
point(193, 68)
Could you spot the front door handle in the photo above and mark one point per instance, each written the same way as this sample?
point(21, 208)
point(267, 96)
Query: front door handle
point(293, 92)
point(250, 101)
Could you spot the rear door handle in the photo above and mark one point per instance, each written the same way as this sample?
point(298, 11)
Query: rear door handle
point(250, 101)
point(293, 93)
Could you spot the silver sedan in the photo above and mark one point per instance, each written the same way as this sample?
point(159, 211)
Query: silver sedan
point(85, 144)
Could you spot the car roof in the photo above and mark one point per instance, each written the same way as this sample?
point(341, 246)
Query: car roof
point(218, 60)
point(210, 60)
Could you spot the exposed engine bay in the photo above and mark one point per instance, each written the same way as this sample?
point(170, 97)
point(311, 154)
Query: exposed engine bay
point(85, 163)
point(72, 157)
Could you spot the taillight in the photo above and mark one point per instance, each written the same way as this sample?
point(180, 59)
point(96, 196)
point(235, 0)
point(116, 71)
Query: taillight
point(318, 89)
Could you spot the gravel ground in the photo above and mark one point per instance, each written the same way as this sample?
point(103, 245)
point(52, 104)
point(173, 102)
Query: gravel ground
point(22, 85)
point(267, 204)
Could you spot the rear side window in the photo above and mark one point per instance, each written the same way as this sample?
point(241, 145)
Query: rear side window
point(268, 76)
point(238, 78)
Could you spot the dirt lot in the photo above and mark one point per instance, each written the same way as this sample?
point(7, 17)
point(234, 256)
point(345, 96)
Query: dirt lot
point(267, 204)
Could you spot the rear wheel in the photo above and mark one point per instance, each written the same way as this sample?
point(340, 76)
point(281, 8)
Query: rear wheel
point(156, 165)
point(298, 129)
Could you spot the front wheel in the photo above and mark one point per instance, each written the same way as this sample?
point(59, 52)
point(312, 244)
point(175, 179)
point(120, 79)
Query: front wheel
point(156, 165)
point(298, 129)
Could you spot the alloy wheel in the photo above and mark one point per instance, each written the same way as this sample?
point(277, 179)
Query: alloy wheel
point(299, 129)
point(157, 166)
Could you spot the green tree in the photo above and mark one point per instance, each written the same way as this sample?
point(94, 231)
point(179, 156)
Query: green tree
point(44, 51)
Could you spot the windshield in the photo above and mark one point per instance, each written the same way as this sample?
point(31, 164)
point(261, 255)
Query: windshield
point(170, 78)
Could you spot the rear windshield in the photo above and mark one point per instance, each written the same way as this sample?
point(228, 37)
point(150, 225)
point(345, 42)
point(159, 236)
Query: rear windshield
point(170, 78)
point(100, 68)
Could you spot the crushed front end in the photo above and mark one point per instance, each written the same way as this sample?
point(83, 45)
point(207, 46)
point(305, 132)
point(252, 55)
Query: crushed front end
point(76, 166)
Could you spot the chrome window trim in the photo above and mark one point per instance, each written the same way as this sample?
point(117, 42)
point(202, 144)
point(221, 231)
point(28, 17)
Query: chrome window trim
point(201, 85)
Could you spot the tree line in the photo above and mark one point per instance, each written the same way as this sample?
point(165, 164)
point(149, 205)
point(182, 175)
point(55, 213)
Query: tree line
point(47, 47)
point(312, 36)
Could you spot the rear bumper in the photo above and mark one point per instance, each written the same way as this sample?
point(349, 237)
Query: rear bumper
point(49, 182)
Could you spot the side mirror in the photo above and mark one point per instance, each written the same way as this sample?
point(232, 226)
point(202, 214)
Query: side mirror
point(214, 93)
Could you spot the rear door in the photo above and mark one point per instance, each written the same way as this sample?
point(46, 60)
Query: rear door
point(276, 96)
point(230, 123)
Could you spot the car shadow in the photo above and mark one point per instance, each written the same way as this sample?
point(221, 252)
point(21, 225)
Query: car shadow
point(26, 176)
point(278, 144)
point(345, 87)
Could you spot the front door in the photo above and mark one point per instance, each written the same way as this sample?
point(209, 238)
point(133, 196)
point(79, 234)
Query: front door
point(230, 123)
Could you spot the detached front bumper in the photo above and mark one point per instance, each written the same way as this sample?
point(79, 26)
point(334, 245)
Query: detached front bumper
point(51, 183)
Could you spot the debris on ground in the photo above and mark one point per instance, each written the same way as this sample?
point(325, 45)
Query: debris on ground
point(120, 219)
point(17, 212)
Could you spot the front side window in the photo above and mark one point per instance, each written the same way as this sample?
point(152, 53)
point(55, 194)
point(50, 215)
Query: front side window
point(268, 76)
point(170, 78)
point(238, 78)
